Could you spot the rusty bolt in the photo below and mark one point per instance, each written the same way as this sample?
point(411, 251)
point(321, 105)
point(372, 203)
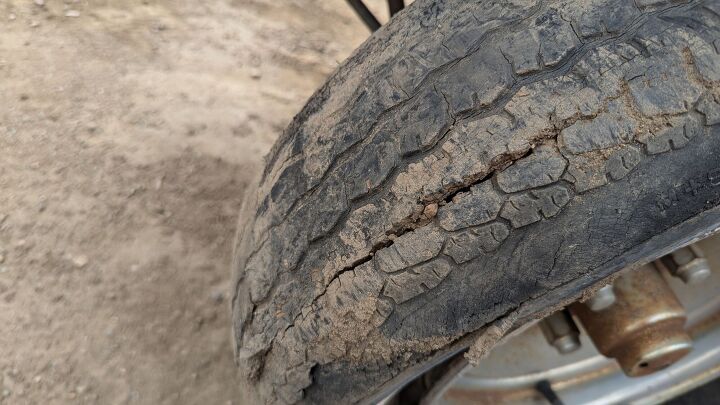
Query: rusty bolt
point(561, 332)
point(602, 299)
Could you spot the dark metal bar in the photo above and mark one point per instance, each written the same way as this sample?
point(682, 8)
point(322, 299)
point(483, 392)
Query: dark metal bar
point(365, 15)
point(396, 6)
point(548, 392)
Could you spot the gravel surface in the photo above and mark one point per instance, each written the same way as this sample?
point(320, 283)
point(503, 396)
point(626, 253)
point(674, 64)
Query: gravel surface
point(128, 132)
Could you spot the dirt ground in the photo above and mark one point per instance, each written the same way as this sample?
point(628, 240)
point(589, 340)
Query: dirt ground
point(128, 132)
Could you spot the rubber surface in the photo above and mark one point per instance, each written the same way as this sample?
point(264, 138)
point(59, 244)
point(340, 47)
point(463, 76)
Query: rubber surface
point(471, 157)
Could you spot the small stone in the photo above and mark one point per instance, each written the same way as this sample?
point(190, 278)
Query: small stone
point(430, 210)
point(80, 261)
point(40, 2)
point(2, 258)
point(72, 13)
point(21, 243)
point(255, 74)
point(80, 389)
point(12, 17)
point(6, 393)
point(37, 379)
point(34, 24)
point(134, 268)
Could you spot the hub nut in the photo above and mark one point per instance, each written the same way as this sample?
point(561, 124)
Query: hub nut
point(644, 329)
point(687, 263)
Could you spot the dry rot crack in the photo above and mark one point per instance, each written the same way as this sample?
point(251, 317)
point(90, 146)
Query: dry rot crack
point(431, 204)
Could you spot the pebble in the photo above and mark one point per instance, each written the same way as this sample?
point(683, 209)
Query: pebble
point(40, 2)
point(80, 261)
point(12, 17)
point(430, 210)
point(72, 13)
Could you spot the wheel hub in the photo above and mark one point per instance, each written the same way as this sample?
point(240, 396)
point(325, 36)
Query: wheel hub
point(647, 321)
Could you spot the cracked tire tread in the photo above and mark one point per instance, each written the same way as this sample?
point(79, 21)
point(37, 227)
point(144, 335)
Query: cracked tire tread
point(438, 156)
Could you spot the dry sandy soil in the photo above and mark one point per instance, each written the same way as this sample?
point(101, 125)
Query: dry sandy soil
point(128, 132)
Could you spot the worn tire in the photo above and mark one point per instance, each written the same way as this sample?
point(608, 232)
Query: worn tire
point(470, 161)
